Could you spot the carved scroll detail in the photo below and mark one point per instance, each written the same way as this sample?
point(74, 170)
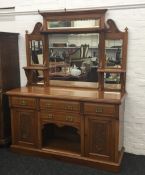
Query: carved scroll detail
point(111, 26)
point(37, 29)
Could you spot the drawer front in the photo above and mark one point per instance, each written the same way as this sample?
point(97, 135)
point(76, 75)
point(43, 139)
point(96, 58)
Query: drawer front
point(59, 105)
point(94, 108)
point(23, 102)
point(60, 117)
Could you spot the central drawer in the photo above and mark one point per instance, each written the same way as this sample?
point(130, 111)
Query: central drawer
point(60, 116)
point(60, 105)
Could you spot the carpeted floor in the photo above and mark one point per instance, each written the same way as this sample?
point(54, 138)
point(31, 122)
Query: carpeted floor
point(17, 164)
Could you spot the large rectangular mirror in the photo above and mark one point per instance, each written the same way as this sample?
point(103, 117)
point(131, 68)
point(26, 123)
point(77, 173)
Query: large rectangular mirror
point(74, 57)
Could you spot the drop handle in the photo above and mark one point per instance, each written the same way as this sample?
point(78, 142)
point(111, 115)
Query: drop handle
point(23, 102)
point(48, 105)
point(99, 110)
point(69, 108)
point(69, 118)
point(50, 116)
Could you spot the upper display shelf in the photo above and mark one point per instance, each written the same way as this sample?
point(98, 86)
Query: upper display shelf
point(73, 30)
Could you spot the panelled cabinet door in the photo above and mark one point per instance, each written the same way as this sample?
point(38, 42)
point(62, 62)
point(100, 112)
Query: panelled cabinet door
point(99, 138)
point(24, 124)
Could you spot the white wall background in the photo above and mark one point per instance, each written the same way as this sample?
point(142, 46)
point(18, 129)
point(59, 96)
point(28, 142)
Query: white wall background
point(126, 13)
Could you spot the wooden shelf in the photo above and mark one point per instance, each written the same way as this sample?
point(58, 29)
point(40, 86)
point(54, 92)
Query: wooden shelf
point(35, 68)
point(74, 30)
point(111, 70)
point(77, 47)
point(57, 64)
point(62, 74)
point(63, 145)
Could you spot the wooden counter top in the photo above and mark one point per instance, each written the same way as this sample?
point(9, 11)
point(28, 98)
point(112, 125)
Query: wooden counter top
point(81, 94)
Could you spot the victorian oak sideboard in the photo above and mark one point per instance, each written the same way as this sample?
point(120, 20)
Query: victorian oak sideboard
point(72, 107)
point(72, 124)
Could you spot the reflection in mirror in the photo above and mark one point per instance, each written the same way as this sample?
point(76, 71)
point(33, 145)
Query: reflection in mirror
point(36, 51)
point(112, 81)
point(73, 57)
point(113, 51)
point(73, 24)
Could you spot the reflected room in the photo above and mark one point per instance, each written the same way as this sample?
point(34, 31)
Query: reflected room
point(74, 57)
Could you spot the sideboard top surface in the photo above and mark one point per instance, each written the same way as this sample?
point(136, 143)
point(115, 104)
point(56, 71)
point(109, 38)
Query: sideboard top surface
point(80, 94)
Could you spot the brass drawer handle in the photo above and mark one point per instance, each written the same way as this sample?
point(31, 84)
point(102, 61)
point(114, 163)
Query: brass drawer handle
point(69, 108)
point(48, 105)
point(99, 110)
point(23, 102)
point(69, 118)
point(50, 116)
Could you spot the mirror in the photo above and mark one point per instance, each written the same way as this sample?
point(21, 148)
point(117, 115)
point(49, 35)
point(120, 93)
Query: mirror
point(36, 52)
point(113, 51)
point(73, 57)
point(112, 81)
point(73, 24)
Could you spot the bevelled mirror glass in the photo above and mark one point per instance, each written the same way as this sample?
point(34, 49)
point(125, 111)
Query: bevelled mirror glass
point(112, 81)
point(73, 57)
point(36, 52)
point(113, 52)
point(73, 24)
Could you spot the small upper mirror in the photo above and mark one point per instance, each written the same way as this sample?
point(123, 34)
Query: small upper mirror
point(73, 24)
point(36, 52)
point(113, 51)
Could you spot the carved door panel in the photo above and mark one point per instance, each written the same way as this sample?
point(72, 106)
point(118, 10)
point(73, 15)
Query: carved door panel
point(99, 138)
point(24, 131)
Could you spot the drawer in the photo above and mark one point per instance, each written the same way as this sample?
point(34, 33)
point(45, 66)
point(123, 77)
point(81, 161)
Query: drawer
point(60, 105)
point(23, 102)
point(60, 117)
point(101, 109)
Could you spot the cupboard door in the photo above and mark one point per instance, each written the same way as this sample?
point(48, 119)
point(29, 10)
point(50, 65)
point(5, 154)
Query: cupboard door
point(24, 127)
point(99, 138)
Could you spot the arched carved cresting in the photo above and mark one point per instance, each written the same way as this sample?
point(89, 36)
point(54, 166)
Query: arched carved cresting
point(119, 40)
point(37, 29)
point(111, 26)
